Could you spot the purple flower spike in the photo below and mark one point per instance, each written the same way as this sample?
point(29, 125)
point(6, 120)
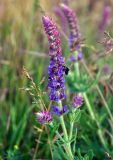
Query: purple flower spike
point(56, 67)
point(75, 36)
point(53, 36)
point(44, 117)
point(73, 25)
point(77, 101)
point(105, 18)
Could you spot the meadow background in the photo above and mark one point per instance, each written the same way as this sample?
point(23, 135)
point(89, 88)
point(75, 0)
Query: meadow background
point(24, 43)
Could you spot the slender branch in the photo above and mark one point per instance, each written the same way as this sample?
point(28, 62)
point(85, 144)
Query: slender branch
point(71, 130)
point(37, 144)
point(67, 145)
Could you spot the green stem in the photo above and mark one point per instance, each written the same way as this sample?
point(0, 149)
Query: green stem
point(100, 133)
point(89, 106)
point(99, 91)
point(58, 134)
point(71, 130)
point(76, 65)
point(105, 103)
point(37, 144)
point(63, 123)
point(67, 145)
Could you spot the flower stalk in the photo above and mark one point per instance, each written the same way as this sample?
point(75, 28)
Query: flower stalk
point(56, 80)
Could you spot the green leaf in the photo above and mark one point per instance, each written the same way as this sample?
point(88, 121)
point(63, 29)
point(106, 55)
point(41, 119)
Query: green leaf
point(82, 84)
point(75, 116)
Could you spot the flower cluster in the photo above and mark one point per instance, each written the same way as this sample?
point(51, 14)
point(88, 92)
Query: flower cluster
point(73, 24)
point(56, 110)
point(56, 68)
point(44, 117)
point(56, 78)
point(77, 101)
point(75, 37)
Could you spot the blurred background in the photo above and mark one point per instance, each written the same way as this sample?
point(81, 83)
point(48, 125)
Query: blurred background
point(24, 43)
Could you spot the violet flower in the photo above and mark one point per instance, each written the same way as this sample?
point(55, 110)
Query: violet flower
point(75, 36)
point(56, 110)
point(44, 117)
point(105, 19)
point(77, 101)
point(56, 67)
point(64, 110)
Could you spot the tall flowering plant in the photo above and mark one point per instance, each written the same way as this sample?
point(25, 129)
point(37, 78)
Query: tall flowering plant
point(56, 73)
point(56, 88)
point(74, 40)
